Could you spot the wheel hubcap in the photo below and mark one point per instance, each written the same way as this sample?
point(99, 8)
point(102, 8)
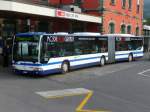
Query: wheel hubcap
point(65, 67)
point(102, 61)
point(130, 58)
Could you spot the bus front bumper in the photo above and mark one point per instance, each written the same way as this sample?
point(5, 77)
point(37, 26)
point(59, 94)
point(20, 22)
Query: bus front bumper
point(38, 73)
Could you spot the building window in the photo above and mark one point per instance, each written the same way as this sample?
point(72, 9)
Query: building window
point(123, 4)
point(129, 29)
point(43, 26)
point(123, 29)
point(138, 6)
point(130, 4)
point(111, 28)
point(9, 28)
point(78, 2)
point(112, 2)
point(148, 32)
point(137, 31)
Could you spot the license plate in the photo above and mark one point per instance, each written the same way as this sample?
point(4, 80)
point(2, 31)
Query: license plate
point(25, 72)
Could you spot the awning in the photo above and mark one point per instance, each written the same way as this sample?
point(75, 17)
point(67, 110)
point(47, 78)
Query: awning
point(11, 6)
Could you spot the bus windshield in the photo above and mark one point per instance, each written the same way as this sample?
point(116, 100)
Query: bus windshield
point(26, 48)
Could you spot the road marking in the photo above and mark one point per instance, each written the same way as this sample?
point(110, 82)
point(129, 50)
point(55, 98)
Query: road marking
point(142, 73)
point(62, 93)
point(71, 92)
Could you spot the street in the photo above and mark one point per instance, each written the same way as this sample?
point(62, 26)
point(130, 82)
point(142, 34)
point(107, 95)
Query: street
point(49, 36)
point(120, 87)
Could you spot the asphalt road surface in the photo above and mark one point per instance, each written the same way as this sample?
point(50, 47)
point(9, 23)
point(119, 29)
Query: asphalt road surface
point(120, 87)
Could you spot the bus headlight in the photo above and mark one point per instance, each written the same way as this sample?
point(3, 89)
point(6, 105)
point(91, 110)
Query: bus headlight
point(38, 69)
point(14, 67)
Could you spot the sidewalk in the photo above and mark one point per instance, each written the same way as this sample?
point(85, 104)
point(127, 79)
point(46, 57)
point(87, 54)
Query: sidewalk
point(5, 69)
point(146, 56)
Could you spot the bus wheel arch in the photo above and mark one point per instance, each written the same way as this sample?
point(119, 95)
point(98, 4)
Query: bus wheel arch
point(102, 60)
point(130, 57)
point(65, 66)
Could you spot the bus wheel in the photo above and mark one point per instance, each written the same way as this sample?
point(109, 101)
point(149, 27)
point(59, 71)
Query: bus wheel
point(102, 61)
point(130, 58)
point(65, 67)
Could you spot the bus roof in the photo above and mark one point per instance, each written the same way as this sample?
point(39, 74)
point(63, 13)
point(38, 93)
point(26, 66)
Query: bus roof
point(75, 34)
point(30, 33)
point(86, 34)
point(119, 35)
point(61, 33)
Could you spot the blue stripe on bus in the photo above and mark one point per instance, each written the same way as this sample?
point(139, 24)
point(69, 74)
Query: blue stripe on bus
point(84, 65)
point(129, 53)
point(138, 53)
point(85, 59)
point(50, 71)
point(59, 62)
point(124, 59)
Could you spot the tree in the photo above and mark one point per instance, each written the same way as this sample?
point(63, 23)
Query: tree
point(147, 21)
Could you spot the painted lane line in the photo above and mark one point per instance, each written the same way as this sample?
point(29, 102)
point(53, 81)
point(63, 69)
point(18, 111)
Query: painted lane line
point(142, 73)
point(71, 92)
point(145, 75)
point(84, 102)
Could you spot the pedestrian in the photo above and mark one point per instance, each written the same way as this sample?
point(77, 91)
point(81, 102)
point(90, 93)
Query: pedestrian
point(6, 56)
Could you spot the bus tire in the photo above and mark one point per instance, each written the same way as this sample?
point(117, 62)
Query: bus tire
point(102, 61)
point(65, 67)
point(130, 58)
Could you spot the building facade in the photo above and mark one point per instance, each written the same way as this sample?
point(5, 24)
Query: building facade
point(20, 20)
point(123, 16)
point(119, 16)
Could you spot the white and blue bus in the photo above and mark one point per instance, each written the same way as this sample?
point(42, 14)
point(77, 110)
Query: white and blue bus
point(42, 53)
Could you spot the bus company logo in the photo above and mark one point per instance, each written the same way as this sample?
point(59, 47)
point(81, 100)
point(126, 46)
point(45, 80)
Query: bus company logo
point(59, 39)
point(60, 13)
point(52, 39)
point(69, 39)
point(71, 15)
point(65, 14)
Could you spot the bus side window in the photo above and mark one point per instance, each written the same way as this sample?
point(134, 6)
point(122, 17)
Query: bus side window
point(103, 46)
point(130, 47)
point(62, 52)
point(77, 48)
point(96, 50)
point(44, 55)
point(77, 51)
point(67, 49)
point(103, 49)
